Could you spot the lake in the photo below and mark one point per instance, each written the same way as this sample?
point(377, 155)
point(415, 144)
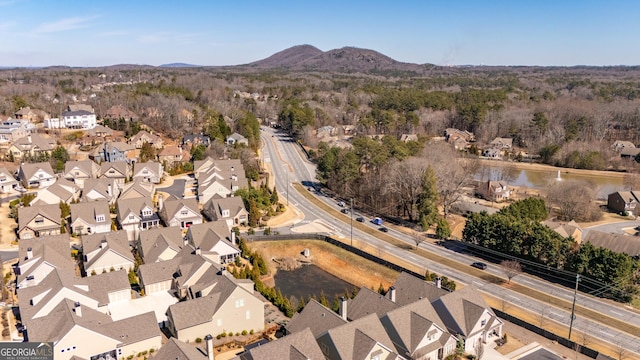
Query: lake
point(310, 280)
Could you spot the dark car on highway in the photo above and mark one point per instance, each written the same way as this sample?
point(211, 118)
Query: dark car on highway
point(383, 229)
point(479, 265)
point(360, 219)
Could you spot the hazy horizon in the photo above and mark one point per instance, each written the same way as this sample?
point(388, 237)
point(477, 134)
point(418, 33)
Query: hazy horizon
point(499, 33)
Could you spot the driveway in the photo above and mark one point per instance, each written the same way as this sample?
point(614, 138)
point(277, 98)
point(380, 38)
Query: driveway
point(176, 189)
point(613, 228)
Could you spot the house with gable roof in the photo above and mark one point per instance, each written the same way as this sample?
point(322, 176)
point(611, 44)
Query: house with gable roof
point(103, 252)
point(364, 338)
point(158, 276)
point(159, 244)
point(78, 119)
point(90, 218)
point(315, 317)
point(494, 190)
point(135, 215)
point(236, 138)
point(176, 349)
point(172, 155)
point(230, 209)
point(118, 170)
point(36, 221)
point(219, 179)
point(502, 143)
point(566, 230)
point(144, 136)
point(78, 331)
point(624, 201)
point(408, 289)
point(367, 302)
point(190, 140)
point(214, 240)
point(300, 345)
point(32, 146)
point(78, 107)
point(137, 189)
point(118, 151)
point(79, 171)
point(38, 257)
point(101, 189)
point(117, 112)
point(228, 307)
point(467, 316)
point(7, 181)
point(62, 190)
point(36, 175)
point(150, 171)
point(182, 213)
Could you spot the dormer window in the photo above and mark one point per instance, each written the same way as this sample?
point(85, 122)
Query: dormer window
point(100, 218)
point(483, 322)
point(225, 213)
point(184, 212)
point(39, 220)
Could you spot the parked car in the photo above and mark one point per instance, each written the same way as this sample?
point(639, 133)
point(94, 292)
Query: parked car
point(20, 189)
point(344, 211)
point(360, 219)
point(479, 265)
point(341, 203)
point(383, 229)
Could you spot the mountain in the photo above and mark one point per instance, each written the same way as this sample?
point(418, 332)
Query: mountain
point(178, 65)
point(346, 59)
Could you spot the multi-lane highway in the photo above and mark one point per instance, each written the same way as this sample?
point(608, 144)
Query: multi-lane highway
point(289, 167)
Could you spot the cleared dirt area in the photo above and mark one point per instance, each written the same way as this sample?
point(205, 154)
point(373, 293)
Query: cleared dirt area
point(337, 262)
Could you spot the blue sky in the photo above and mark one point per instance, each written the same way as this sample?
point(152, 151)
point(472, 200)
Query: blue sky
point(209, 32)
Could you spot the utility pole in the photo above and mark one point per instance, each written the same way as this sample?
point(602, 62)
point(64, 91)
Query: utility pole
point(573, 306)
point(351, 212)
point(287, 187)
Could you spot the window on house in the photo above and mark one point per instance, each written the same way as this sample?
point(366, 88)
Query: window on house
point(39, 220)
point(239, 303)
point(483, 323)
point(248, 314)
point(100, 218)
point(225, 213)
point(219, 322)
point(184, 212)
point(131, 217)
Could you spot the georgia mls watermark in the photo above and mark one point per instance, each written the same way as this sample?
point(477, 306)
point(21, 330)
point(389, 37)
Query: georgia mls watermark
point(26, 350)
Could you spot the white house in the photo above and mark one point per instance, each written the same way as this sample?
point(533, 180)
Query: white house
point(78, 119)
point(90, 218)
point(135, 215)
point(103, 252)
point(62, 190)
point(149, 171)
point(36, 175)
point(179, 212)
point(7, 181)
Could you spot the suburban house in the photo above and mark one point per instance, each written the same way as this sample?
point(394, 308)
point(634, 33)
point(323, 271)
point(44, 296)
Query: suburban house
point(408, 137)
point(13, 129)
point(101, 189)
point(629, 153)
point(32, 115)
point(459, 138)
point(38, 257)
point(494, 190)
point(100, 131)
point(570, 229)
point(78, 119)
point(618, 243)
point(230, 209)
point(62, 190)
point(118, 112)
point(7, 181)
point(79, 171)
point(212, 239)
point(221, 178)
point(78, 331)
point(135, 215)
point(78, 107)
point(104, 252)
point(137, 189)
point(408, 289)
point(176, 349)
point(618, 145)
point(196, 139)
point(367, 302)
point(624, 201)
point(236, 138)
point(119, 151)
point(492, 154)
point(36, 175)
point(301, 345)
point(117, 170)
point(32, 146)
point(36, 221)
point(210, 165)
point(502, 143)
point(150, 171)
point(316, 318)
point(181, 213)
point(466, 316)
point(159, 244)
point(228, 307)
point(90, 218)
point(364, 338)
point(172, 155)
point(142, 137)
point(158, 276)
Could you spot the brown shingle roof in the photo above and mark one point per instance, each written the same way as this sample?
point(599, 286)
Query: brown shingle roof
point(299, 346)
point(619, 243)
point(410, 289)
point(369, 302)
point(315, 317)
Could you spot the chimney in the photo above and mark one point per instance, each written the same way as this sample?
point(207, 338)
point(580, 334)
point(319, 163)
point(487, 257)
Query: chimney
point(29, 138)
point(343, 307)
point(29, 253)
point(103, 243)
point(109, 190)
point(439, 283)
point(77, 309)
point(198, 251)
point(209, 340)
point(392, 294)
point(185, 241)
point(160, 200)
point(233, 238)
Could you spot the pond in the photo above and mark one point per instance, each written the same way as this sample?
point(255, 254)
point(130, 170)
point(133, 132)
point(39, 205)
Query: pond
point(310, 280)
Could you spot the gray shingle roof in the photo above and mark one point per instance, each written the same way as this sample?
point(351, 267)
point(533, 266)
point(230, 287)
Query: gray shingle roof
point(173, 205)
point(212, 208)
point(54, 250)
point(619, 243)
point(369, 302)
point(87, 167)
point(87, 211)
point(34, 140)
point(153, 166)
point(116, 241)
point(26, 214)
point(135, 206)
point(154, 272)
point(100, 186)
point(137, 189)
point(410, 289)
point(315, 317)
point(76, 113)
point(154, 241)
point(176, 349)
point(460, 310)
point(121, 168)
point(28, 170)
point(298, 346)
point(133, 329)
point(206, 235)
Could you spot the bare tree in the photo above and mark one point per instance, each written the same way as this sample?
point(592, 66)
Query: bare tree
point(631, 181)
point(407, 187)
point(572, 200)
point(511, 268)
point(418, 237)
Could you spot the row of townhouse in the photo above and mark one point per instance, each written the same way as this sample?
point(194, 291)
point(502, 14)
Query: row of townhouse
point(415, 320)
point(218, 178)
point(96, 316)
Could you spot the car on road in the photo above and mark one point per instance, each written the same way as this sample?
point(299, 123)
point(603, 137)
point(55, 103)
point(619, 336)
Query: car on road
point(377, 221)
point(344, 211)
point(360, 219)
point(383, 229)
point(341, 203)
point(479, 265)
